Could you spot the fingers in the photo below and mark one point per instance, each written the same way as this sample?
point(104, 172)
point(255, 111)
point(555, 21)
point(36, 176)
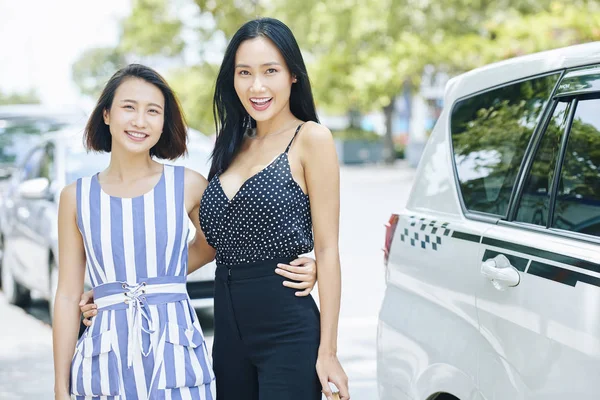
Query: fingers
point(304, 293)
point(304, 270)
point(342, 384)
point(87, 307)
point(302, 261)
point(297, 285)
point(86, 297)
point(326, 389)
point(88, 311)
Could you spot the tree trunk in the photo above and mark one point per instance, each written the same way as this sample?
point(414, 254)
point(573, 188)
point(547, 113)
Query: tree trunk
point(389, 152)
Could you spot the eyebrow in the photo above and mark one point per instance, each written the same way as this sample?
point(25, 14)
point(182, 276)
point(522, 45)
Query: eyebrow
point(135, 102)
point(263, 65)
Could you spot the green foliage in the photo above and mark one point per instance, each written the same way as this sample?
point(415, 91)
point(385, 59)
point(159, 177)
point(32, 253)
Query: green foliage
point(195, 88)
point(94, 68)
point(360, 54)
point(152, 29)
point(30, 97)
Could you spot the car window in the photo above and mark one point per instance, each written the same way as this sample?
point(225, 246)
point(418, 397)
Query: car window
point(490, 132)
point(79, 163)
point(18, 135)
point(577, 207)
point(535, 200)
point(47, 164)
point(31, 167)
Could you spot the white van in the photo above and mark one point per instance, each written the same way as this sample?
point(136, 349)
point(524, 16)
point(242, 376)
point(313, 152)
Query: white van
point(493, 267)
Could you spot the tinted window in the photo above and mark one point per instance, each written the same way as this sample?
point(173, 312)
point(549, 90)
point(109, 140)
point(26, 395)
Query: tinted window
point(490, 133)
point(578, 197)
point(31, 168)
point(47, 165)
point(535, 199)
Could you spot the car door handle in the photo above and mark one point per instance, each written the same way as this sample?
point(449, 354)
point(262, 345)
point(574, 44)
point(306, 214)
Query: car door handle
point(500, 271)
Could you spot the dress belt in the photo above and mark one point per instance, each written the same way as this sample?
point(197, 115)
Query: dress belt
point(135, 298)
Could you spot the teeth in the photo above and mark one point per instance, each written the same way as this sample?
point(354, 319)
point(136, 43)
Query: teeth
point(137, 135)
point(260, 101)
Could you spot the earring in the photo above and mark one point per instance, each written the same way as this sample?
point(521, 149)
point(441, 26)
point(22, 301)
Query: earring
point(249, 131)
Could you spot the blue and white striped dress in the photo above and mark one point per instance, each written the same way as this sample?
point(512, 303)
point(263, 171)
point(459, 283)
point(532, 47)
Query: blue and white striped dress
point(146, 341)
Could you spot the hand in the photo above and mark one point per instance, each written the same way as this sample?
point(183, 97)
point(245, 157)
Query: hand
point(87, 307)
point(303, 270)
point(329, 369)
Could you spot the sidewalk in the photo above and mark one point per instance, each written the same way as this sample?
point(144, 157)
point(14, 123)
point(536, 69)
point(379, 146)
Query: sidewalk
point(26, 366)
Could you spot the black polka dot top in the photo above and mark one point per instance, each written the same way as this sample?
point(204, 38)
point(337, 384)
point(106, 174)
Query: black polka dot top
point(269, 217)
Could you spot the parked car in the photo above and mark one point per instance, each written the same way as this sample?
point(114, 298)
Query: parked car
point(21, 127)
point(493, 267)
point(31, 208)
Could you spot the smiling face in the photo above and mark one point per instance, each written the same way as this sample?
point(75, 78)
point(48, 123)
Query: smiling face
point(262, 79)
point(136, 117)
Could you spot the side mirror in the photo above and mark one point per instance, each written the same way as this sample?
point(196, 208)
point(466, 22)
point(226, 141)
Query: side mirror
point(35, 189)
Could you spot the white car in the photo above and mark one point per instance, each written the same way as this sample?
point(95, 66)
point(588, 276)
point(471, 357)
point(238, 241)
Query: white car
point(30, 205)
point(493, 267)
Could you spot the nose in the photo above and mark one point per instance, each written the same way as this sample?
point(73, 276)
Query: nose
point(257, 85)
point(139, 120)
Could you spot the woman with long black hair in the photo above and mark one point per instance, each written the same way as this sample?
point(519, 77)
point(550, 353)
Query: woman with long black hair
point(273, 184)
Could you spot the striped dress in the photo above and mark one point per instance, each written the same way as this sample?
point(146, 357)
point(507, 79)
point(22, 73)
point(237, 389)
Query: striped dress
point(146, 341)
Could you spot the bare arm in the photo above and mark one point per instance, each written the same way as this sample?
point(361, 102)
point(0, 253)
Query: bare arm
point(321, 171)
point(200, 252)
point(71, 271)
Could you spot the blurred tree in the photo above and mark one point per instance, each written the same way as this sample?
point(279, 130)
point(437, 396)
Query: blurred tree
point(194, 87)
point(30, 97)
point(152, 28)
point(361, 55)
point(94, 67)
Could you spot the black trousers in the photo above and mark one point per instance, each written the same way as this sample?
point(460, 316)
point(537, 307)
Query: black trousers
point(266, 338)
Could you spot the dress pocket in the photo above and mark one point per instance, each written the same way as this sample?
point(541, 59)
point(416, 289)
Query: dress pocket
point(186, 362)
point(95, 369)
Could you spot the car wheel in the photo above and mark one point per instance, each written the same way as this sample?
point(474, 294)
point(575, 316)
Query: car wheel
point(15, 293)
point(53, 279)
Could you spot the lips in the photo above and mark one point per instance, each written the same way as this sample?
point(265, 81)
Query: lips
point(261, 103)
point(136, 136)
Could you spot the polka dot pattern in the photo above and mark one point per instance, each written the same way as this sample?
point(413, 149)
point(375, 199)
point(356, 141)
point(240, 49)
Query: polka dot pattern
point(268, 218)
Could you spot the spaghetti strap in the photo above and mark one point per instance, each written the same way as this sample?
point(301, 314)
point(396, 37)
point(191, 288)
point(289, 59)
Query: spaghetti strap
point(294, 137)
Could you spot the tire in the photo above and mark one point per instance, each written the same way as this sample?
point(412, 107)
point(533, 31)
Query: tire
point(14, 292)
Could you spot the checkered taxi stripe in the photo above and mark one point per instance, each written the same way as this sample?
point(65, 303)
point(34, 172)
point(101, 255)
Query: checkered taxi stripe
point(424, 233)
point(431, 234)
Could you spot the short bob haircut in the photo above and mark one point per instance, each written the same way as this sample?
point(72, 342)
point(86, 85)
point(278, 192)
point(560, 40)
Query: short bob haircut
point(172, 142)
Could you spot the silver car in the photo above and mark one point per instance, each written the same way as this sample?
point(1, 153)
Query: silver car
point(30, 208)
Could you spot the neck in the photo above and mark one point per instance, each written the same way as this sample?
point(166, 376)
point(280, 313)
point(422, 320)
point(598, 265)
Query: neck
point(128, 167)
point(275, 124)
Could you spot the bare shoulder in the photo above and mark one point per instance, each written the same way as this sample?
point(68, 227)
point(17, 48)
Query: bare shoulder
point(314, 134)
point(68, 195)
point(68, 201)
point(194, 182)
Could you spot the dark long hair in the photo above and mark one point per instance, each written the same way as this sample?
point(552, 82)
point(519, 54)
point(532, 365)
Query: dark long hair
point(228, 110)
point(172, 142)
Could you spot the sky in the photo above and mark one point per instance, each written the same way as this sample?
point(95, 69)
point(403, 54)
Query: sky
point(41, 39)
